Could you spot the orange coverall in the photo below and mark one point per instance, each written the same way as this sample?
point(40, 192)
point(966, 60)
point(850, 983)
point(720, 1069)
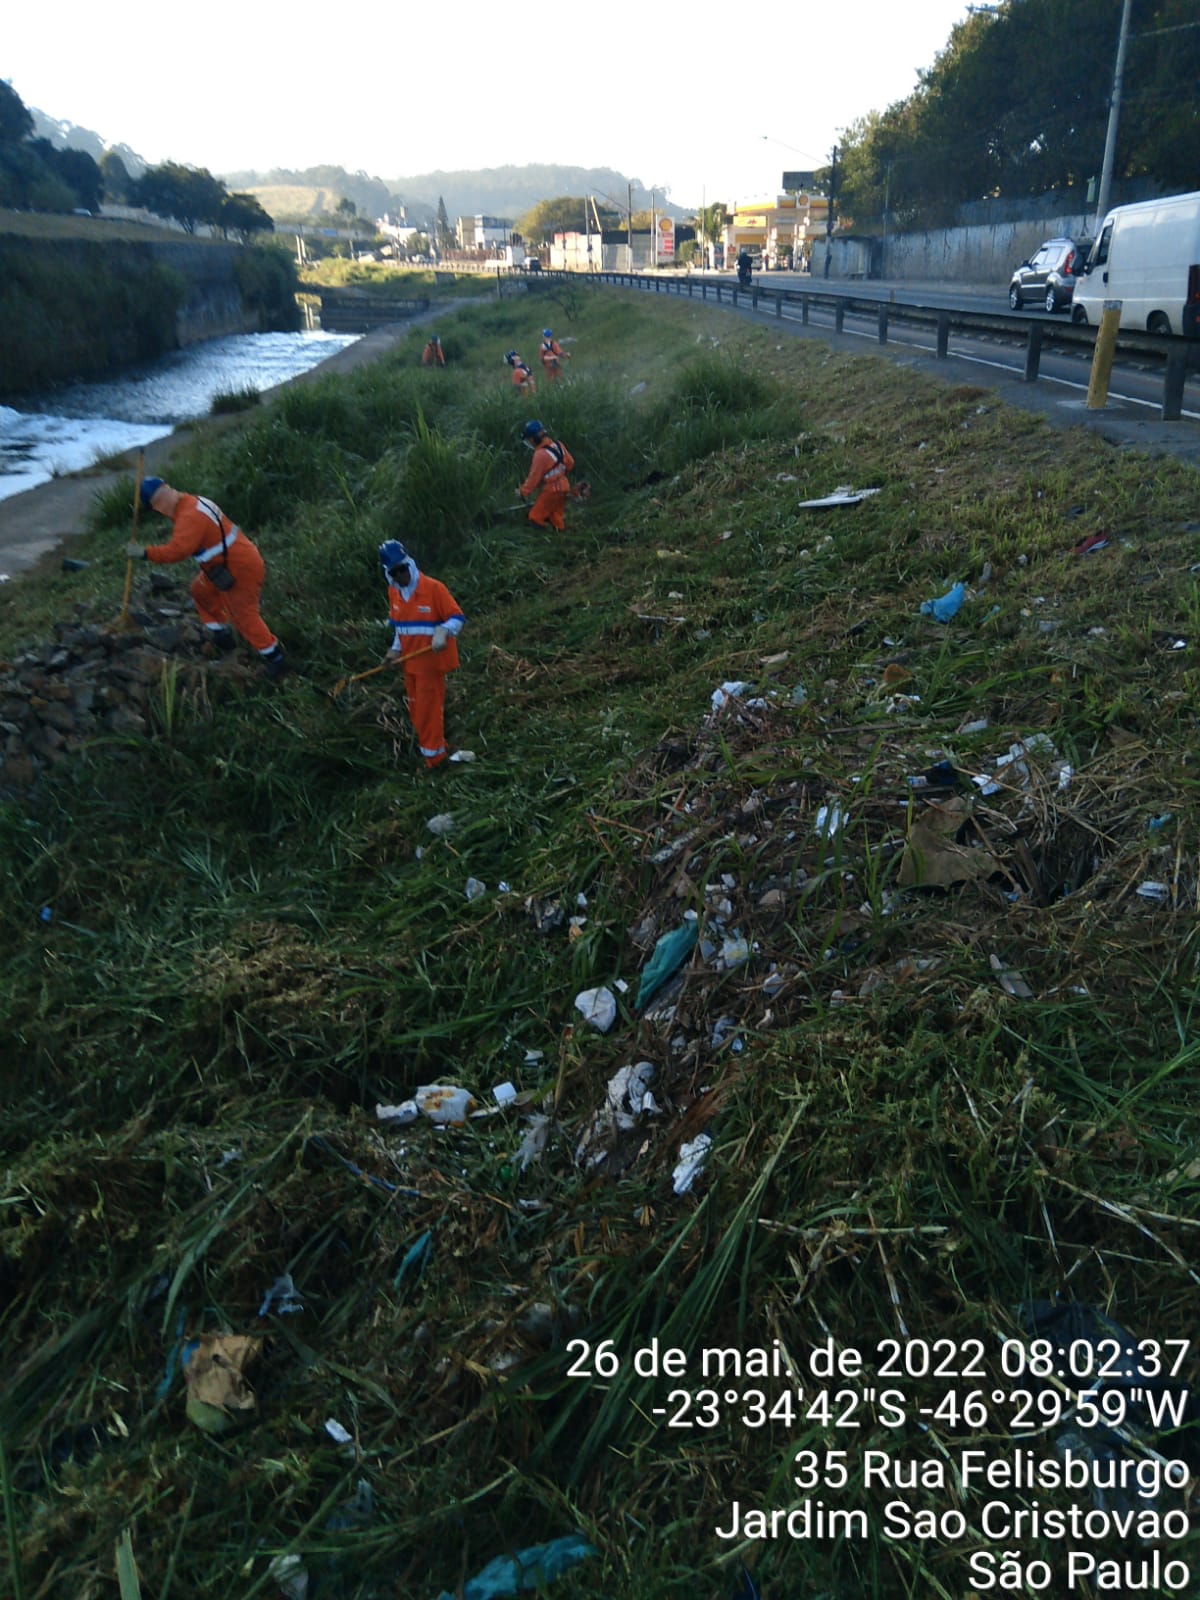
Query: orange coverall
point(548, 475)
point(198, 527)
point(419, 608)
point(522, 377)
point(433, 355)
point(552, 358)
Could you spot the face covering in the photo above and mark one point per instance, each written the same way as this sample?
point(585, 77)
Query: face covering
point(400, 575)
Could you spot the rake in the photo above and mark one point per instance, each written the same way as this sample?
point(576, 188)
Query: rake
point(357, 677)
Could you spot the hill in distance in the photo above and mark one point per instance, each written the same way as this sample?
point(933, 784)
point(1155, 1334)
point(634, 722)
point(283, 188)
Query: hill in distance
point(494, 191)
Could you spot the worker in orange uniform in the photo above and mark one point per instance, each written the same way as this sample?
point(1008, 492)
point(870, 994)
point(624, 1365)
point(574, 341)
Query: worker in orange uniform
point(521, 376)
point(228, 586)
point(547, 478)
point(433, 355)
point(426, 623)
point(553, 355)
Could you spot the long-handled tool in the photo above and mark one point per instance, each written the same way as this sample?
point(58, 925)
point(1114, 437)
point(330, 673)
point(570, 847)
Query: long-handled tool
point(357, 677)
point(125, 620)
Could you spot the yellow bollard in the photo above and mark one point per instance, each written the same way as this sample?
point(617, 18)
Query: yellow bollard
point(1103, 354)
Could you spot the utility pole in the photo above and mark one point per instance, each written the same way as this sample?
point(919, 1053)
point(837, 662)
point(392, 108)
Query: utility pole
point(1114, 108)
point(653, 232)
point(829, 212)
point(629, 213)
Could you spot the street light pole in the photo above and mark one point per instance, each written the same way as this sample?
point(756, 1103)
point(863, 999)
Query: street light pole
point(829, 208)
point(1114, 108)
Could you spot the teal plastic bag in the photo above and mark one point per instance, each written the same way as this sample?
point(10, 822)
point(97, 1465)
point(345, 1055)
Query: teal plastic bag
point(669, 954)
point(528, 1569)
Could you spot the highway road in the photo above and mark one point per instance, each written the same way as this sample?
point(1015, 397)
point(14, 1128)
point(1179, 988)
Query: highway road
point(1136, 385)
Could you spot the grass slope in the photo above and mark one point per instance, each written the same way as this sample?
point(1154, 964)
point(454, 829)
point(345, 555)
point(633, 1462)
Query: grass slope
point(254, 939)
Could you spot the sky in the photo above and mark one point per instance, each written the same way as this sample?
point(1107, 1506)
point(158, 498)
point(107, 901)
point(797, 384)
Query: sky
point(709, 103)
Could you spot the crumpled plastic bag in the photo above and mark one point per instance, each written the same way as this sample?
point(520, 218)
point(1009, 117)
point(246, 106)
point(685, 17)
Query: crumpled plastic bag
point(668, 955)
point(528, 1570)
point(948, 606)
point(597, 1006)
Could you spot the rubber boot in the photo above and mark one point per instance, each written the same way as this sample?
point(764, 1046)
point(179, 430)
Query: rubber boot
point(275, 663)
point(218, 642)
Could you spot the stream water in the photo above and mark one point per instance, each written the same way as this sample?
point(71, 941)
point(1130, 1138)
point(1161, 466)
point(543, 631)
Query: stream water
point(80, 423)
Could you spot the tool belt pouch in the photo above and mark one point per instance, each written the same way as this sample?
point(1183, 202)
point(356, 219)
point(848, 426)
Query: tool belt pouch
point(220, 577)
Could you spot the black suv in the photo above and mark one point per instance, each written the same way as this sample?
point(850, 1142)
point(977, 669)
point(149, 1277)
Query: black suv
point(1048, 277)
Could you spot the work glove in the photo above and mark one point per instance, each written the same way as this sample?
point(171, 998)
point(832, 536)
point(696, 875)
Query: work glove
point(394, 658)
point(440, 640)
point(135, 552)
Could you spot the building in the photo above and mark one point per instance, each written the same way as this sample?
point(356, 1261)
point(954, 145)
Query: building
point(777, 231)
point(483, 233)
point(611, 251)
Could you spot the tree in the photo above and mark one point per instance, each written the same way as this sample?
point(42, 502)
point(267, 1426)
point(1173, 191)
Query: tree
point(565, 214)
point(190, 195)
point(16, 121)
point(243, 216)
point(346, 209)
point(118, 184)
point(443, 232)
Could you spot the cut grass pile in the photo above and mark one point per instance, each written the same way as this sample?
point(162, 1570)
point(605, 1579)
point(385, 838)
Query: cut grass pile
point(938, 1033)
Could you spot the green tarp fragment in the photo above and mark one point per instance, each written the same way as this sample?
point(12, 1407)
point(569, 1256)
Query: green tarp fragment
point(669, 954)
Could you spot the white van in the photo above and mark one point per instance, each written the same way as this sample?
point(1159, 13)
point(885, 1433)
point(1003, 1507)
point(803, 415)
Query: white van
point(1147, 256)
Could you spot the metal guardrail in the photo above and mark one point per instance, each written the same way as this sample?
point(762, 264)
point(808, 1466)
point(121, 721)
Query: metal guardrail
point(1178, 356)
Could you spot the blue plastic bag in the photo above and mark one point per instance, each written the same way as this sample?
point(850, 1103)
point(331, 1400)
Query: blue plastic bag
point(527, 1570)
point(668, 955)
point(948, 606)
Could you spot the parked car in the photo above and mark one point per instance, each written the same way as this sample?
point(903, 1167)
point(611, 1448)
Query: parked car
point(1048, 277)
point(1147, 257)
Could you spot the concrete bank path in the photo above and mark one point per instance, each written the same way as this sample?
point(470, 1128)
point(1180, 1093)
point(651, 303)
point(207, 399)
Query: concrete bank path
point(41, 523)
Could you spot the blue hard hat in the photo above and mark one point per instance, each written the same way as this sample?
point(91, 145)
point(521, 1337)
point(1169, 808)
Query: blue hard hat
point(510, 356)
point(148, 489)
point(532, 430)
point(392, 554)
point(547, 333)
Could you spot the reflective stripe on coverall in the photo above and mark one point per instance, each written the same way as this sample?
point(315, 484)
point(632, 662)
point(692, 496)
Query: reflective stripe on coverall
point(198, 527)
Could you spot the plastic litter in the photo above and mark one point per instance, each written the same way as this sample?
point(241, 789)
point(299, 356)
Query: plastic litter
point(445, 1102)
point(843, 495)
point(597, 1007)
point(281, 1298)
point(1158, 892)
point(627, 1097)
point(337, 1433)
point(1123, 1365)
point(528, 1570)
point(1089, 546)
point(669, 954)
point(1010, 980)
point(474, 888)
point(948, 606)
point(828, 821)
point(462, 756)
point(289, 1574)
point(735, 951)
point(729, 690)
point(537, 1133)
point(1157, 824)
point(441, 825)
point(692, 1157)
point(504, 1094)
point(407, 1111)
point(416, 1259)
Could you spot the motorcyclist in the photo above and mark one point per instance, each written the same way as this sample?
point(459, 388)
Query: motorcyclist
point(744, 265)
